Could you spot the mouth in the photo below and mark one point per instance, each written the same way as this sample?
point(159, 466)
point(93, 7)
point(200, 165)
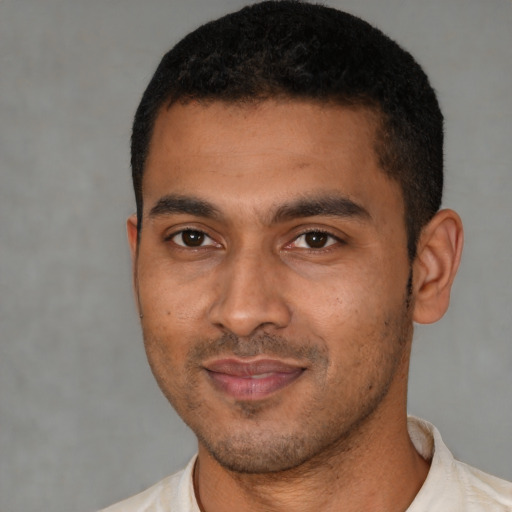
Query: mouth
point(252, 380)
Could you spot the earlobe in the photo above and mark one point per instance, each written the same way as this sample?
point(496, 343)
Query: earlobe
point(435, 266)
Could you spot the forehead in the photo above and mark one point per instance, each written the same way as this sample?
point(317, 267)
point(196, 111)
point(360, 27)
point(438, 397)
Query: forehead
point(265, 153)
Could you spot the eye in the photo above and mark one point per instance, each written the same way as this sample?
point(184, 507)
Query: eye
point(192, 238)
point(314, 240)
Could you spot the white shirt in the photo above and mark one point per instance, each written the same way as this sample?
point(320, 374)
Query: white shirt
point(451, 486)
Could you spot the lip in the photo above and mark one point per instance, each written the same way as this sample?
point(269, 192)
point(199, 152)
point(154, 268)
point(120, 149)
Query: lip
point(252, 380)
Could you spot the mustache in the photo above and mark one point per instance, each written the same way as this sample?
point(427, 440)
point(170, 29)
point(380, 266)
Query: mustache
point(263, 343)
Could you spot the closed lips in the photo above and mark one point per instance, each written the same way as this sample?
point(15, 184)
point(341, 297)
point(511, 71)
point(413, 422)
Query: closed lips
point(259, 368)
point(252, 380)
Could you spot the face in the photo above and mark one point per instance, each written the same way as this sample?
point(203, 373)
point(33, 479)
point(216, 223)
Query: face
point(271, 275)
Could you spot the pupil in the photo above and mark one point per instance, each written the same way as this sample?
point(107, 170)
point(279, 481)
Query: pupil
point(193, 238)
point(316, 240)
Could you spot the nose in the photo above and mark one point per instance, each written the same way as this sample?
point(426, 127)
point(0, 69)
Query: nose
point(250, 296)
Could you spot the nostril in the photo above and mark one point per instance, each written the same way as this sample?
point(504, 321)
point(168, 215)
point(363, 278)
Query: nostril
point(244, 317)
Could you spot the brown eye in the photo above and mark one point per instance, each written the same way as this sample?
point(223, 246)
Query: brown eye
point(191, 238)
point(316, 240)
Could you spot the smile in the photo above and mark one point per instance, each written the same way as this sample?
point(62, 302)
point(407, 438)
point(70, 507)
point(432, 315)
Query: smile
point(255, 380)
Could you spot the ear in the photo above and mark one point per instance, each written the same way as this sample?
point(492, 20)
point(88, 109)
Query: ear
point(435, 266)
point(132, 232)
point(133, 241)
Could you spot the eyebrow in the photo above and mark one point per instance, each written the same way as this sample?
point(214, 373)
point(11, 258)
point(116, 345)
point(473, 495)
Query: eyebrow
point(327, 206)
point(172, 204)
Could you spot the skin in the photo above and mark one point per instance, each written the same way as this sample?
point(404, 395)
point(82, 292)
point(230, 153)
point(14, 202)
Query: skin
point(272, 242)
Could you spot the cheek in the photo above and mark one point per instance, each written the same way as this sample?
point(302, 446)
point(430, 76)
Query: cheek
point(168, 302)
point(344, 297)
point(352, 308)
point(168, 324)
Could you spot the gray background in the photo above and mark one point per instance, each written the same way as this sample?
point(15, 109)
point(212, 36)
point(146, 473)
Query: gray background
point(82, 423)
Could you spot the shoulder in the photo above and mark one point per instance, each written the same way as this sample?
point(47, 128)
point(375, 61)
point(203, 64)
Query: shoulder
point(452, 485)
point(174, 493)
point(488, 491)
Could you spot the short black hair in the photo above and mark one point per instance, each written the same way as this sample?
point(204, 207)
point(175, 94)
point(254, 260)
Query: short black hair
point(299, 50)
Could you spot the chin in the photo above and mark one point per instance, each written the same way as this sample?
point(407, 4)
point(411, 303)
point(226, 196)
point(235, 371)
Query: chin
point(261, 452)
point(253, 457)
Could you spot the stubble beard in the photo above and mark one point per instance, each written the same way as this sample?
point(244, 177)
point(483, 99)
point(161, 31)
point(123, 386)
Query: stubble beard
point(312, 440)
point(316, 436)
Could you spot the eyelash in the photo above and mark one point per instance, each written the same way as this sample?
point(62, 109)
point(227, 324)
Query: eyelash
point(334, 240)
point(181, 232)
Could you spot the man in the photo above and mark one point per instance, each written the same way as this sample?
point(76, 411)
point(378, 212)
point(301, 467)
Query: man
point(287, 166)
